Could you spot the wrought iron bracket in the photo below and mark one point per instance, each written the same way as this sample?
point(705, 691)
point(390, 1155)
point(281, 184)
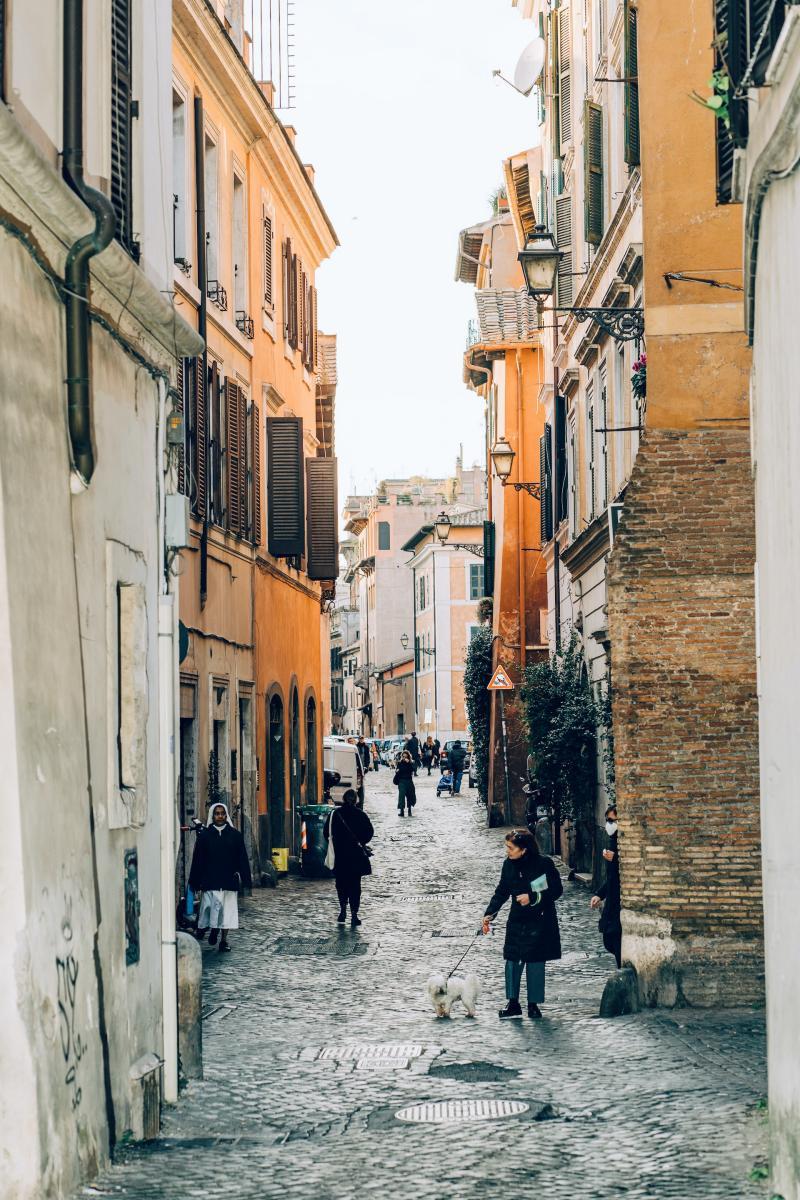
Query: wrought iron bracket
point(621, 324)
point(473, 547)
point(533, 489)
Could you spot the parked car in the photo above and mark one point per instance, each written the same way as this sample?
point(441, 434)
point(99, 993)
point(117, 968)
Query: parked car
point(391, 750)
point(343, 758)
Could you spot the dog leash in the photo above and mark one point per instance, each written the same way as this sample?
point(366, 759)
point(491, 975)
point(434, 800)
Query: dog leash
point(466, 952)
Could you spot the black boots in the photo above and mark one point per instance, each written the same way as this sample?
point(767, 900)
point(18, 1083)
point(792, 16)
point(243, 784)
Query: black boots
point(354, 921)
point(342, 917)
point(512, 1009)
point(534, 1012)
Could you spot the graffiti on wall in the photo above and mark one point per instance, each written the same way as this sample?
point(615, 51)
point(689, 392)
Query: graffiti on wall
point(133, 907)
point(73, 1046)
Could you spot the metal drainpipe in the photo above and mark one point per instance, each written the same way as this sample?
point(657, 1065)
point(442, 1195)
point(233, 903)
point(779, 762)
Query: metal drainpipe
point(202, 316)
point(76, 269)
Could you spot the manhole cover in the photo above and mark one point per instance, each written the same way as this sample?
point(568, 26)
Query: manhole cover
point(453, 933)
point(450, 1112)
point(303, 947)
point(422, 896)
point(363, 1052)
point(474, 1072)
point(382, 1064)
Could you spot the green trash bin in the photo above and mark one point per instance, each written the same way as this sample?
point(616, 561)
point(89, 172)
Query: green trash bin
point(313, 844)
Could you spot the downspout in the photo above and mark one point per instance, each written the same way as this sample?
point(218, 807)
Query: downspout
point(435, 649)
point(202, 316)
point(523, 639)
point(76, 269)
point(414, 634)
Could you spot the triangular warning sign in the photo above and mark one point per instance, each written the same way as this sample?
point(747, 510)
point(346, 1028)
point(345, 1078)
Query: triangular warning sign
point(500, 681)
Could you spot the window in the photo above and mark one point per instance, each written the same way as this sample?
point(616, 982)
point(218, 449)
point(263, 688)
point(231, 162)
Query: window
point(619, 415)
point(631, 67)
point(573, 477)
point(474, 630)
point(590, 448)
point(564, 239)
point(546, 480)
point(121, 125)
point(266, 222)
point(239, 246)
point(475, 581)
point(564, 76)
point(290, 294)
point(604, 427)
point(285, 487)
point(384, 533)
point(561, 474)
point(593, 172)
point(216, 436)
point(210, 171)
point(179, 186)
point(421, 592)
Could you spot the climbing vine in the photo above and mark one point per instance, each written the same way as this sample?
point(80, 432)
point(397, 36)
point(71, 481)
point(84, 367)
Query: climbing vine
point(477, 673)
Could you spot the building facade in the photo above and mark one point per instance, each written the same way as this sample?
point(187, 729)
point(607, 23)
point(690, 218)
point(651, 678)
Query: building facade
point(249, 233)
point(88, 590)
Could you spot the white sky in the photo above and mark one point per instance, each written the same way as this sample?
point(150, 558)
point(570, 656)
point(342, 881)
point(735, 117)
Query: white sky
point(398, 111)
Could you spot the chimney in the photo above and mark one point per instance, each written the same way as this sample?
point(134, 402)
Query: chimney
point(268, 90)
point(292, 133)
point(309, 170)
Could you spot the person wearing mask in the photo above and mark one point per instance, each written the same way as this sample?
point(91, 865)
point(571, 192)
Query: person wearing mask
point(404, 782)
point(456, 760)
point(533, 883)
point(220, 868)
point(351, 829)
point(412, 746)
point(610, 923)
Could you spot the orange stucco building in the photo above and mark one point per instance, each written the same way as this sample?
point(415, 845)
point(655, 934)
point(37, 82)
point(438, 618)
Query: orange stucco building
point(258, 468)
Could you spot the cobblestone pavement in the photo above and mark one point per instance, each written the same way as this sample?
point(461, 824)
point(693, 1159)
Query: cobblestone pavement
point(657, 1105)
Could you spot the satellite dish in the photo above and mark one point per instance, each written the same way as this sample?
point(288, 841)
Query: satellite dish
point(530, 66)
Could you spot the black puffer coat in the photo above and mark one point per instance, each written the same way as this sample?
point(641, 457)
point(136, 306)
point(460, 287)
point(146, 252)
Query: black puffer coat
point(352, 829)
point(611, 920)
point(532, 931)
point(219, 862)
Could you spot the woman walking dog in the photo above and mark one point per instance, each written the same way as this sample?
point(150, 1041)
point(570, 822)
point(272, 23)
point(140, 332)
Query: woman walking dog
point(532, 936)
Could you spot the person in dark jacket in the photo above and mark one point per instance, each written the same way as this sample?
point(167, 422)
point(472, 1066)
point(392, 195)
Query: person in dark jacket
point(351, 829)
point(426, 753)
point(456, 760)
point(364, 753)
point(532, 936)
point(437, 750)
point(404, 782)
point(412, 746)
point(610, 923)
point(220, 867)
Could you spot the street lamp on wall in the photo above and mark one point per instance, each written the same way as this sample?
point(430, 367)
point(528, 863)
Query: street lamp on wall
point(442, 526)
point(503, 460)
point(404, 641)
point(540, 259)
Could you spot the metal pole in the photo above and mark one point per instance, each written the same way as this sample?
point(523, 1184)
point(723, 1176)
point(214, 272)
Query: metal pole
point(505, 757)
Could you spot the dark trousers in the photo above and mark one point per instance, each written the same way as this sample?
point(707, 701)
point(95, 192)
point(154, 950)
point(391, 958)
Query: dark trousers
point(534, 980)
point(348, 889)
point(457, 776)
point(612, 940)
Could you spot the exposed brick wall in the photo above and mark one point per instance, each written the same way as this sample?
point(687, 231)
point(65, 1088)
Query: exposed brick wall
point(681, 621)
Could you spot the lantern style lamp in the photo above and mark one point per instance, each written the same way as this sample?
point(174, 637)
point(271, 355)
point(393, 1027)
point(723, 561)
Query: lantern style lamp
point(441, 527)
point(404, 641)
point(503, 459)
point(540, 259)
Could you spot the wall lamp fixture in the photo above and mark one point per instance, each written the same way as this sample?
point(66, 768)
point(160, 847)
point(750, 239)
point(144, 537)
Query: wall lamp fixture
point(503, 459)
point(442, 526)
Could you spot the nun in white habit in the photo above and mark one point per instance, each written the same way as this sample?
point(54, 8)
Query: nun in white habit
point(220, 868)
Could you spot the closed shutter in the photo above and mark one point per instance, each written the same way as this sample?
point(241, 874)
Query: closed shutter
point(590, 448)
point(604, 424)
point(546, 479)
point(731, 54)
point(302, 311)
point(2, 49)
point(285, 487)
point(180, 405)
point(286, 259)
point(121, 198)
point(215, 406)
point(544, 218)
point(314, 329)
point(200, 440)
point(564, 241)
point(552, 75)
point(560, 479)
point(267, 251)
point(631, 67)
point(593, 172)
point(488, 557)
point(564, 76)
point(234, 437)
point(766, 19)
point(294, 301)
point(322, 518)
point(255, 482)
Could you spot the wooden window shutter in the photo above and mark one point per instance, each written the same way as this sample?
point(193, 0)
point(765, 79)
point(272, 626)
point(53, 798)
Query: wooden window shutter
point(200, 440)
point(322, 518)
point(766, 18)
point(731, 53)
point(294, 301)
point(2, 49)
point(545, 477)
point(233, 442)
point(303, 332)
point(314, 330)
point(552, 74)
point(286, 262)
point(285, 487)
point(593, 172)
point(488, 557)
point(181, 406)
point(604, 421)
point(255, 439)
point(631, 69)
point(560, 472)
point(564, 241)
point(268, 294)
point(590, 448)
point(564, 76)
point(121, 124)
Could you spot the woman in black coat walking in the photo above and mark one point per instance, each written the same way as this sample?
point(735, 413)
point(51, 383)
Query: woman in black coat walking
point(608, 894)
point(220, 867)
point(532, 936)
point(351, 829)
point(404, 782)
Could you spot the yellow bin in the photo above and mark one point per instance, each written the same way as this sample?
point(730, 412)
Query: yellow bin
point(280, 860)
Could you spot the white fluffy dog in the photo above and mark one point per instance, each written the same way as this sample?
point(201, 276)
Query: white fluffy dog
point(443, 992)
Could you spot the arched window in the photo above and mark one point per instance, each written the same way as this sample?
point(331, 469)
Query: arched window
point(276, 773)
point(312, 787)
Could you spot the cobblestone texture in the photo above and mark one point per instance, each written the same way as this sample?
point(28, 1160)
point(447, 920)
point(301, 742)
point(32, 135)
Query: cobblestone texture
point(656, 1105)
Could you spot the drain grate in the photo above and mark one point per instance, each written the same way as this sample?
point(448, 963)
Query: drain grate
point(383, 1064)
point(452, 933)
point(474, 1072)
point(451, 1112)
point(423, 896)
point(364, 1052)
point(332, 947)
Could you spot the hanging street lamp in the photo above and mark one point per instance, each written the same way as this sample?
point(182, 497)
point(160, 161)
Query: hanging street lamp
point(503, 461)
point(442, 526)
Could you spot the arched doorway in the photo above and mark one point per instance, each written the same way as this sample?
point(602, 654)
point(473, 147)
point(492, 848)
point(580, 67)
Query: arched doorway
point(295, 780)
point(276, 773)
point(312, 787)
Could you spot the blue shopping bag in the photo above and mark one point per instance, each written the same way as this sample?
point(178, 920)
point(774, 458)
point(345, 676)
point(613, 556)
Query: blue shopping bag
point(190, 902)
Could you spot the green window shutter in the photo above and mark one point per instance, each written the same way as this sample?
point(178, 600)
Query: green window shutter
point(488, 557)
point(631, 67)
point(552, 75)
point(564, 288)
point(545, 477)
point(285, 487)
point(564, 76)
point(593, 172)
point(321, 509)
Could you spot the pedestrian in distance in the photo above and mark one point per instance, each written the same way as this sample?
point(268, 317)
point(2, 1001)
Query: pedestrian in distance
point(533, 883)
point(608, 894)
point(426, 754)
point(364, 753)
point(350, 829)
point(220, 868)
point(404, 782)
point(456, 760)
point(412, 746)
point(437, 750)
point(376, 758)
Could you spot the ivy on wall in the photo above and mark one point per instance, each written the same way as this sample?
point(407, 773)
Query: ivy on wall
point(477, 673)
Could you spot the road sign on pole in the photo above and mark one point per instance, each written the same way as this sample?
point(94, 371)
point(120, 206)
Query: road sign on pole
point(500, 681)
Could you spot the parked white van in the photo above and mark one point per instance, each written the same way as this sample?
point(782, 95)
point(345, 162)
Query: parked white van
point(344, 758)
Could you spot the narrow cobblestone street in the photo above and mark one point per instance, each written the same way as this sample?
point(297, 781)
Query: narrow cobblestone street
point(662, 1104)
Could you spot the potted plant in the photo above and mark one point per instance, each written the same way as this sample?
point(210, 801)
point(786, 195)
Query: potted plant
point(639, 377)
